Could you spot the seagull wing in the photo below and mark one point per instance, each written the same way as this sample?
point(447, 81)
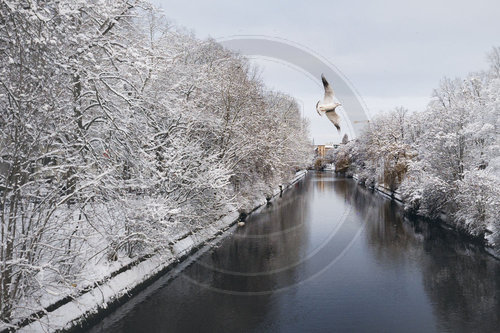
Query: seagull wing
point(334, 118)
point(328, 91)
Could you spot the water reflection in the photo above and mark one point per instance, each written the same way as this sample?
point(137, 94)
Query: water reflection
point(262, 256)
point(462, 282)
point(276, 273)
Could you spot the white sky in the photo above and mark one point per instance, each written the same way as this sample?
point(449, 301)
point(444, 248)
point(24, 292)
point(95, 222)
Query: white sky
point(393, 52)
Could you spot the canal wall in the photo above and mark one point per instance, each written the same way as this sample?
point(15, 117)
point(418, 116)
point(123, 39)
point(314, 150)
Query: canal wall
point(384, 191)
point(93, 304)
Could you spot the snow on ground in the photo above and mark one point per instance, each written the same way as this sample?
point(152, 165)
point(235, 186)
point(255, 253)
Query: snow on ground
point(121, 285)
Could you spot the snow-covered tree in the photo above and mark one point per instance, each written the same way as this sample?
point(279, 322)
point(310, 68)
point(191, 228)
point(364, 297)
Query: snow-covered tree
point(118, 133)
point(442, 160)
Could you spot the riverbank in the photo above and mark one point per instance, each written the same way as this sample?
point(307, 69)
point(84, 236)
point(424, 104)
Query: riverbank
point(443, 220)
point(384, 191)
point(91, 304)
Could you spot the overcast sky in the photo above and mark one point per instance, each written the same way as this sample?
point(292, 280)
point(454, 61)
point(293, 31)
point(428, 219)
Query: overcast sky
point(393, 52)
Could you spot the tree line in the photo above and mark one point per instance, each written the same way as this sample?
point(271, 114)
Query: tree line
point(444, 161)
point(118, 131)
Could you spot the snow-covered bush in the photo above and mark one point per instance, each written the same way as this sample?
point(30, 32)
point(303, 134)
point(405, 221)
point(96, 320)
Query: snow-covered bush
point(478, 201)
point(424, 195)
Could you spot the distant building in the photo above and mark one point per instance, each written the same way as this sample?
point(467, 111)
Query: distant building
point(321, 150)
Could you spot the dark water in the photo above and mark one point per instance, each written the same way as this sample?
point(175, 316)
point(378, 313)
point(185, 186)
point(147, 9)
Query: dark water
point(329, 256)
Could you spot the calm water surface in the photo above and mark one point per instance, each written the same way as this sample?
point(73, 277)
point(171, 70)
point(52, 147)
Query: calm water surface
point(329, 256)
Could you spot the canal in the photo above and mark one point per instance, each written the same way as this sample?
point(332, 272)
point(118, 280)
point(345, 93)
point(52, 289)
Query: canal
point(328, 256)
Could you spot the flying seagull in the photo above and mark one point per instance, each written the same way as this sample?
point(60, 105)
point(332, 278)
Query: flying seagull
point(328, 105)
